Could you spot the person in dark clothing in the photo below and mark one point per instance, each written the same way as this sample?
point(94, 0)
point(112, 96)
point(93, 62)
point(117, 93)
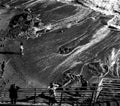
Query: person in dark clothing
point(13, 93)
point(84, 83)
point(3, 66)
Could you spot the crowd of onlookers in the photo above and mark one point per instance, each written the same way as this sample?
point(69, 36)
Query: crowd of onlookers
point(52, 91)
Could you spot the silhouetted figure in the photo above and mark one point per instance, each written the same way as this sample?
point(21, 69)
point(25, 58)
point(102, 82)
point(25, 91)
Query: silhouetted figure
point(3, 64)
point(13, 93)
point(84, 83)
point(21, 49)
point(2, 68)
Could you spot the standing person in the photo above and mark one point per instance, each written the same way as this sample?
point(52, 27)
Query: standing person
point(53, 87)
point(2, 68)
point(52, 92)
point(50, 87)
point(21, 49)
point(3, 64)
point(84, 83)
point(13, 93)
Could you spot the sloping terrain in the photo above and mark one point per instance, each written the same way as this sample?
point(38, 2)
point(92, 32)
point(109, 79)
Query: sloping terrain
point(79, 35)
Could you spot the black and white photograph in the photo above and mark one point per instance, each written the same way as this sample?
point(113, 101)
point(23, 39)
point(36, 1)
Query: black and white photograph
point(59, 52)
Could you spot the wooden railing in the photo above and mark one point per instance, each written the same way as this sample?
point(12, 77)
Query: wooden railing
point(72, 96)
point(66, 96)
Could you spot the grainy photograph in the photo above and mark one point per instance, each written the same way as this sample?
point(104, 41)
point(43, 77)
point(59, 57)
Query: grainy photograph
point(60, 52)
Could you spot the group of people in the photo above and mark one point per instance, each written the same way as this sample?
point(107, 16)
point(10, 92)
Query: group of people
point(51, 90)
